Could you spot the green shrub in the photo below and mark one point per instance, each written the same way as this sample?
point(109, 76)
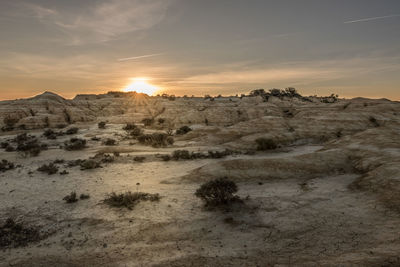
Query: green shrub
point(129, 199)
point(265, 144)
point(217, 192)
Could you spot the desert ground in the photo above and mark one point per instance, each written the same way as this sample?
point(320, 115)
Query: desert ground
point(327, 193)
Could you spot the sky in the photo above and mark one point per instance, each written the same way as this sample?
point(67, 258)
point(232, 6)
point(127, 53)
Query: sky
point(346, 47)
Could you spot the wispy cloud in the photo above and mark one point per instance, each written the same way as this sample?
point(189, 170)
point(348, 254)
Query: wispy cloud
point(103, 21)
point(139, 57)
point(373, 18)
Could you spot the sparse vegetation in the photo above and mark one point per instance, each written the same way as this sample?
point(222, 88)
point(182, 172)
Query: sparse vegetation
point(129, 127)
point(217, 192)
point(71, 198)
point(84, 196)
point(139, 159)
point(88, 164)
point(75, 144)
point(73, 130)
point(5, 165)
point(129, 199)
point(181, 154)
point(265, 144)
point(374, 121)
point(101, 125)
point(156, 139)
point(166, 157)
point(29, 145)
point(148, 121)
point(50, 168)
point(9, 123)
point(183, 130)
point(13, 234)
point(110, 142)
point(50, 134)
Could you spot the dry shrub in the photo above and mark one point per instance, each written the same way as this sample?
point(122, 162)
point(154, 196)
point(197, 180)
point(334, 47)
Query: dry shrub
point(266, 144)
point(183, 130)
point(75, 144)
point(13, 234)
point(129, 199)
point(48, 168)
point(5, 165)
point(218, 192)
point(73, 130)
point(156, 139)
point(71, 198)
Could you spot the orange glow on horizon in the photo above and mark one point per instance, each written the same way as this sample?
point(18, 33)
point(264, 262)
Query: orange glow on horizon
point(141, 85)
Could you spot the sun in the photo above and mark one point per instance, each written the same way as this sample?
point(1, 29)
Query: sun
point(140, 85)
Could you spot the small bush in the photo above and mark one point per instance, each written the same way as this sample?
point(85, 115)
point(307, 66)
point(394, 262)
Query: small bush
point(148, 121)
point(183, 130)
point(129, 126)
point(166, 157)
point(5, 165)
point(156, 139)
point(48, 168)
point(139, 159)
point(129, 199)
point(181, 154)
point(50, 134)
point(73, 130)
point(64, 172)
point(161, 120)
point(29, 146)
point(10, 148)
point(13, 235)
point(265, 144)
point(75, 144)
point(71, 198)
point(136, 132)
point(109, 142)
point(101, 125)
point(217, 192)
point(84, 196)
point(88, 164)
point(374, 121)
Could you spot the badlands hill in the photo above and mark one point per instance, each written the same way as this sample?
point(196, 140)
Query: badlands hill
point(326, 193)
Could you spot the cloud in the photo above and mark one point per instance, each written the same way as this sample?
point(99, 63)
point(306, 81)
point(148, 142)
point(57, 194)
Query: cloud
point(139, 57)
point(373, 18)
point(103, 21)
point(293, 73)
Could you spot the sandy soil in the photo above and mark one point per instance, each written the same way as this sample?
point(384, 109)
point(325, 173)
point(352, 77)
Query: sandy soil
point(315, 221)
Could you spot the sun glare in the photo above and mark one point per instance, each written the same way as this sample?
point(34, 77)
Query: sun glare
point(140, 85)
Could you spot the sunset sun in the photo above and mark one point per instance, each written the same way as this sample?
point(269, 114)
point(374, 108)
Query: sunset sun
point(141, 85)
